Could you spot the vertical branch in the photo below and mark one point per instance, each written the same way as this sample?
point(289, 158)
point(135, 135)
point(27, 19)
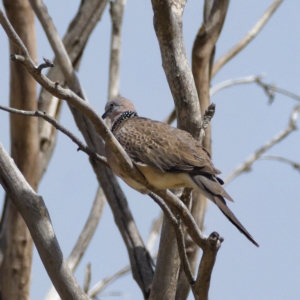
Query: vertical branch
point(202, 52)
point(202, 59)
point(116, 14)
point(168, 27)
point(17, 243)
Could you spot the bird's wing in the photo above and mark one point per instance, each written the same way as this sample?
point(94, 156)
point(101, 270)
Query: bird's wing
point(163, 147)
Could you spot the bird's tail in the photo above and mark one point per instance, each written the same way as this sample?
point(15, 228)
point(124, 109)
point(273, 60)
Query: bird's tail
point(232, 218)
point(204, 185)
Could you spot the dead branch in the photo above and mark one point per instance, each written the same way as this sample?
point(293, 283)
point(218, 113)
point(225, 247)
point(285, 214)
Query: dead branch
point(16, 242)
point(116, 14)
point(246, 165)
point(88, 15)
point(87, 278)
point(251, 34)
point(35, 214)
point(203, 49)
point(54, 123)
point(269, 89)
point(168, 28)
point(295, 165)
point(98, 287)
point(154, 233)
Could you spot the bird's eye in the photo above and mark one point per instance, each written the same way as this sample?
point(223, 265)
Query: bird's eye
point(111, 105)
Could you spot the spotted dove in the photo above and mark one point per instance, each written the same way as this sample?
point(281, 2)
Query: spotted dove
point(168, 157)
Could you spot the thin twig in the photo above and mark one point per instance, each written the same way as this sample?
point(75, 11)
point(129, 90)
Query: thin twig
point(235, 81)
point(251, 34)
point(52, 121)
point(87, 278)
point(282, 159)
point(98, 287)
point(47, 64)
point(246, 165)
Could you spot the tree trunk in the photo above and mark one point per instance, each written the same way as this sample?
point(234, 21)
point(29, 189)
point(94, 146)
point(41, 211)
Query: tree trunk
point(17, 243)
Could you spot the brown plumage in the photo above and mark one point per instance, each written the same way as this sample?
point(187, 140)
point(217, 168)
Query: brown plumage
point(168, 157)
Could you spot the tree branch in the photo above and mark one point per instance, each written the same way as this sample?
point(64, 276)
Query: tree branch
point(246, 165)
point(251, 34)
point(116, 14)
point(61, 128)
point(295, 165)
point(35, 214)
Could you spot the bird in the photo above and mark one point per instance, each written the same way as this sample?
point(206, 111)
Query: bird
point(168, 157)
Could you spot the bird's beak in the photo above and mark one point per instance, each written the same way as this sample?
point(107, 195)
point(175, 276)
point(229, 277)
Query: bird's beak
point(105, 114)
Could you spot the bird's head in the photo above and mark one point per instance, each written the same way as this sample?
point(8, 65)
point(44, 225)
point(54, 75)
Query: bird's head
point(114, 108)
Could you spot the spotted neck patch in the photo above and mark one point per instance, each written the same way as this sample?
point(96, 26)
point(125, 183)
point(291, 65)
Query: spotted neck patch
point(123, 117)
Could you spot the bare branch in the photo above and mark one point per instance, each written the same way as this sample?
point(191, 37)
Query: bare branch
point(97, 288)
point(88, 230)
point(34, 212)
point(282, 159)
point(168, 28)
point(47, 64)
point(88, 15)
point(207, 262)
point(83, 239)
point(203, 49)
point(268, 88)
point(16, 242)
point(61, 128)
point(171, 117)
point(116, 14)
point(251, 34)
point(246, 165)
point(154, 232)
point(230, 82)
point(87, 278)
point(179, 235)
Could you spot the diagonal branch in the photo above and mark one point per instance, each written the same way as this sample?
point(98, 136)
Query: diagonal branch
point(61, 128)
point(33, 210)
point(83, 239)
point(246, 165)
point(251, 34)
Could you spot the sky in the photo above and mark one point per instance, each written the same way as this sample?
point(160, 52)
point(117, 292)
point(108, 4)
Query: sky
point(266, 198)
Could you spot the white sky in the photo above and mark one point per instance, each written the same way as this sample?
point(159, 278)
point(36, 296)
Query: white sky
point(267, 199)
